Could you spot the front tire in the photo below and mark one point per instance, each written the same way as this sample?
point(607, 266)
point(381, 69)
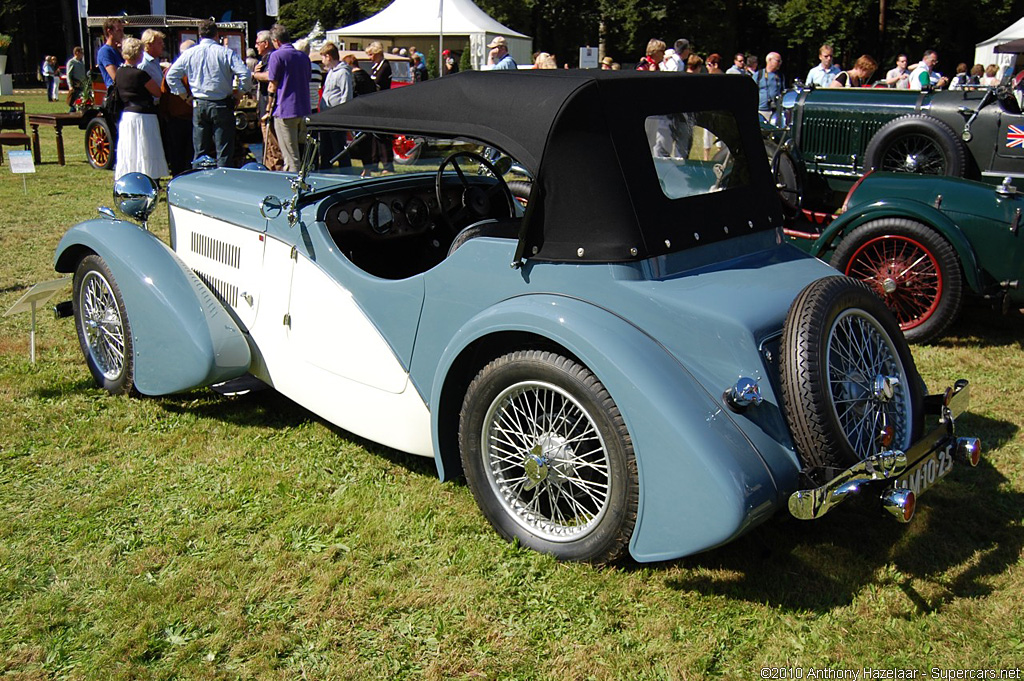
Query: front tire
point(99, 144)
point(847, 375)
point(910, 267)
point(103, 329)
point(548, 458)
point(917, 144)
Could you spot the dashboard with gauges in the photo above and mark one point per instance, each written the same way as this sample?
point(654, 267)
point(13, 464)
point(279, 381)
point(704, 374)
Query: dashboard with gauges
point(402, 231)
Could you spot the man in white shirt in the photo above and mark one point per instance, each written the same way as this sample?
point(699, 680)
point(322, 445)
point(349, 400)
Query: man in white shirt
point(899, 77)
point(675, 59)
point(824, 73)
point(921, 76)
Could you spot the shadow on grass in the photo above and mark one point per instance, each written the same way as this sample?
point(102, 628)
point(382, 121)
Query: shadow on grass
point(269, 408)
point(984, 327)
point(969, 525)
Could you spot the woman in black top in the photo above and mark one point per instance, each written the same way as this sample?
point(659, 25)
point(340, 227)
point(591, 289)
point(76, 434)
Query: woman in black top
point(859, 75)
point(139, 148)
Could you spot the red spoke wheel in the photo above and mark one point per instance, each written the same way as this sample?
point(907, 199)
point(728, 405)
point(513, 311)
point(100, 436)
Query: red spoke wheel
point(99, 144)
point(911, 267)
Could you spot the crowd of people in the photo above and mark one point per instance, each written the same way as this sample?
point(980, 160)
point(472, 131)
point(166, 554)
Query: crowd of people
point(827, 73)
point(173, 114)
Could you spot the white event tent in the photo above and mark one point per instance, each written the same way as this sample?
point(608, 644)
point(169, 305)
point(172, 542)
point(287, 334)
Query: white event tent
point(422, 23)
point(984, 52)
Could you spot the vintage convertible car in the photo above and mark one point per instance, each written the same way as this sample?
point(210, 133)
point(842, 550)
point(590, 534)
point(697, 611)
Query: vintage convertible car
point(923, 243)
point(834, 135)
point(638, 361)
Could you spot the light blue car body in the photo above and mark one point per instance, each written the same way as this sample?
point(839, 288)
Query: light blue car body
point(667, 335)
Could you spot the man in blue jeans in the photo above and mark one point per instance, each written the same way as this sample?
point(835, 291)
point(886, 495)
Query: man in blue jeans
point(212, 70)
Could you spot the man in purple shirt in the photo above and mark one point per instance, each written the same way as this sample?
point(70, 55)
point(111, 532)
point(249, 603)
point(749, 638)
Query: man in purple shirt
point(289, 72)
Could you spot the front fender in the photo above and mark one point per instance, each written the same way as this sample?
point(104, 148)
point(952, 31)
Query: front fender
point(182, 335)
point(903, 208)
point(701, 481)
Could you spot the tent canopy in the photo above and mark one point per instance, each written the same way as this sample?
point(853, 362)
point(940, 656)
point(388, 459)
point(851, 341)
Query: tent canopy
point(986, 53)
point(419, 21)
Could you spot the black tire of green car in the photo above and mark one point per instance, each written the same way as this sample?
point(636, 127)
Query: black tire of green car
point(917, 143)
point(100, 144)
point(104, 332)
point(846, 373)
point(548, 458)
point(912, 268)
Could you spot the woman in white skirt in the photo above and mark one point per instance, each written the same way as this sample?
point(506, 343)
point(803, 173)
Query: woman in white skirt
point(139, 148)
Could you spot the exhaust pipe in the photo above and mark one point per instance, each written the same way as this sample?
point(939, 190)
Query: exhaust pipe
point(901, 502)
point(968, 451)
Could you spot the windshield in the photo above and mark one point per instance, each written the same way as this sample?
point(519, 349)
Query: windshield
point(696, 153)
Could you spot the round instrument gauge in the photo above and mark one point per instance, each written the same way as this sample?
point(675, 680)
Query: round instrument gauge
point(357, 214)
point(416, 212)
point(381, 217)
point(342, 216)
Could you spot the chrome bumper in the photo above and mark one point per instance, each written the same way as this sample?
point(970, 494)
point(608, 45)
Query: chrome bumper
point(882, 471)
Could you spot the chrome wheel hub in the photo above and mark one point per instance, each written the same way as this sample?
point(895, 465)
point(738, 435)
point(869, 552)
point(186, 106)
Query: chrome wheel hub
point(889, 285)
point(546, 462)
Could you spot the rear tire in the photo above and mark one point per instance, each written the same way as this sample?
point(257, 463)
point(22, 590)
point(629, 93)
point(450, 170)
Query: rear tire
point(846, 373)
point(104, 332)
point(548, 458)
point(911, 268)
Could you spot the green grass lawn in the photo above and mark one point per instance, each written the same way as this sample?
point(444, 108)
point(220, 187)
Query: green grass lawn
point(196, 536)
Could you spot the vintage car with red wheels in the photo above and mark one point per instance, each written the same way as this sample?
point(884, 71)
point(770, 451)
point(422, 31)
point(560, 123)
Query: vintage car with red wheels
point(926, 245)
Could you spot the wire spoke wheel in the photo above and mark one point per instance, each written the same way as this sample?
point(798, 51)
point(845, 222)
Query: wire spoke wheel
point(849, 384)
point(914, 154)
point(911, 267)
point(868, 383)
point(548, 458)
point(546, 461)
point(903, 273)
point(102, 324)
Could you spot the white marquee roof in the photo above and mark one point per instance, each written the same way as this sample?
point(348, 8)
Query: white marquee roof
point(421, 17)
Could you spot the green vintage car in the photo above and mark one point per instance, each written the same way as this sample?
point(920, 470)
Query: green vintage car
point(926, 244)
point(827, 138)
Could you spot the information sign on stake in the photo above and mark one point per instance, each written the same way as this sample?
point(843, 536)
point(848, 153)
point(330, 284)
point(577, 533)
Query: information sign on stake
point(34, 297)
point(21, 163)
point(588, 57)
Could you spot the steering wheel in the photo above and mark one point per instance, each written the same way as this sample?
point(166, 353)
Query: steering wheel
point(476, 201)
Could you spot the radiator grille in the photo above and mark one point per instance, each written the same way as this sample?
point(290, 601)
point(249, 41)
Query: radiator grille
point(214, 249)
point(228, 293)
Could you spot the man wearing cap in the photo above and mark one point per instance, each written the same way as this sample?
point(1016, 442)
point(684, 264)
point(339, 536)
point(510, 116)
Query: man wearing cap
point(499, 58)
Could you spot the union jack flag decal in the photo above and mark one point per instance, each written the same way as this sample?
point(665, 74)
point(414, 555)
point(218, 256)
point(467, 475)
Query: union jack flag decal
point(1014, 136)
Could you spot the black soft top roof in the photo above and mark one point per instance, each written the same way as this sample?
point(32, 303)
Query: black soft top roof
point(596, 194)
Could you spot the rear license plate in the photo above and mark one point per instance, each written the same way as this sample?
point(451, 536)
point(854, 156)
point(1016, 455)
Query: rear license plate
point(928, 470)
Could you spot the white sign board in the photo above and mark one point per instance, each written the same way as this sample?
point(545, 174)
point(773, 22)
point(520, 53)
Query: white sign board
point(588, 57)
point(33, 298)
point(21, 161)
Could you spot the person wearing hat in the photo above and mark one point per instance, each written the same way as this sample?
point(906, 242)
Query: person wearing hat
point(451, 64)
point(499, 58)
point(606, 64)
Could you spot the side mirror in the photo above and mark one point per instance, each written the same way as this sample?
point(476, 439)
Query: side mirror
point(135, 196)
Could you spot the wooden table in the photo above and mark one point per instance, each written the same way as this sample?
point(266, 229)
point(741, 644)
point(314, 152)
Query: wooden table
point(58, 121)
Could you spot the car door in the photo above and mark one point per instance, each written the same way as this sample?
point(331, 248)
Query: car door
point(1008, 145)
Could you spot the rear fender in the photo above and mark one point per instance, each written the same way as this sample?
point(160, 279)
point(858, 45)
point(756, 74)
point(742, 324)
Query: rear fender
point(913, 210)
point(701, 482)
point(182, 335)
